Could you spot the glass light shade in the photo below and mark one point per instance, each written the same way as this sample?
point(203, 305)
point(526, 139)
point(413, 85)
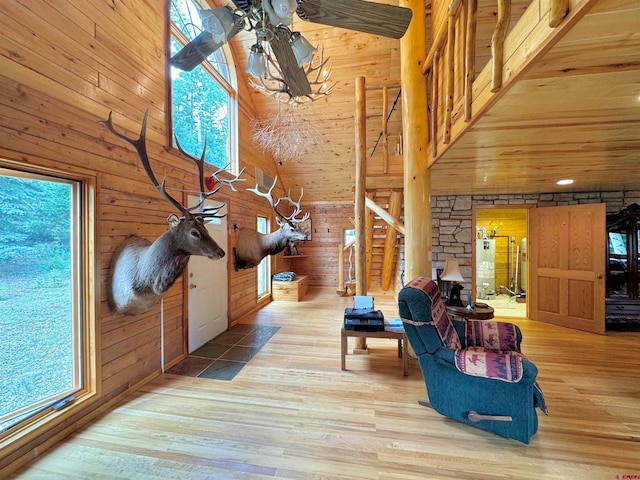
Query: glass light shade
point(257, 64)
point(302, 49)
point(451, 272)
point(284, 8)
point(219, 22)
point(280, 11)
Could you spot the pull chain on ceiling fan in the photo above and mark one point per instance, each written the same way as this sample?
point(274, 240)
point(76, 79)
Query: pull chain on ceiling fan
point(285, 76)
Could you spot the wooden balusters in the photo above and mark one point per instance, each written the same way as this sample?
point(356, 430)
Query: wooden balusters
point(497, 44)
point(558, 9)
point(470, 56)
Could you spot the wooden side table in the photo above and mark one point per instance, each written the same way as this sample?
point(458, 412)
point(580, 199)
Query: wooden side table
point(482, 311)
point(388, 332)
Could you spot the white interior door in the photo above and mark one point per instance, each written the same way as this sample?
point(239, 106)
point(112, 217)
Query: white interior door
point(208, 288)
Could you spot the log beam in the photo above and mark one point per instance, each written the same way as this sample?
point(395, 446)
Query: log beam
point(361, 182)
point(391, 240)
point(391, 220)
point(369, 238)
point(417, 178)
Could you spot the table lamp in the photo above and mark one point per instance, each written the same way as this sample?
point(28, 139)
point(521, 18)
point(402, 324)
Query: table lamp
point(451, 273)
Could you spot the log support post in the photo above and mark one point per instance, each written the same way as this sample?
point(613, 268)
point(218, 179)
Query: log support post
point(417, 179)
point(360, 195)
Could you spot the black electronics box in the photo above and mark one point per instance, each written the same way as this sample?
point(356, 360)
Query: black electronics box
point(363, 319)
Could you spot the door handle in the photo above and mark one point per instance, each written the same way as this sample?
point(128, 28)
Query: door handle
point(192, 285)
point(599, 276)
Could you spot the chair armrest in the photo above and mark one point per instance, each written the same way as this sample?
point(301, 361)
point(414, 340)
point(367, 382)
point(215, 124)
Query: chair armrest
point(492, 335)
point(446, 358)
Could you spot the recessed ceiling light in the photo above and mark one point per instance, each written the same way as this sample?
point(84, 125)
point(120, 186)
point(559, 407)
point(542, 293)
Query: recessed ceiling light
point(567, 181)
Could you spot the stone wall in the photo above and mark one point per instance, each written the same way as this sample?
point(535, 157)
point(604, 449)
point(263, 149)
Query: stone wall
point(454, 232)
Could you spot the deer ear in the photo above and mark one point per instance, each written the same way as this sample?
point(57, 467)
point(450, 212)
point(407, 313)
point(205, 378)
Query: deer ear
point(173, 220)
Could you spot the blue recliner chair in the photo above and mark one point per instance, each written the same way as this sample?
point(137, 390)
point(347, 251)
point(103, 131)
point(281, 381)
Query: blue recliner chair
point(474, 370)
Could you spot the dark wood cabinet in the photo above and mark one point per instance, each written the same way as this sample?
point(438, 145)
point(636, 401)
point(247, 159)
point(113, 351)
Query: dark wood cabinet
point(623, 263)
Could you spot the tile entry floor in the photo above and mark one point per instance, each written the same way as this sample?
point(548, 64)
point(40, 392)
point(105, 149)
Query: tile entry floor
point(224, 356)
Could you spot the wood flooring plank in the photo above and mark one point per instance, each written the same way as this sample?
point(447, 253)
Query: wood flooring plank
point(291, 413)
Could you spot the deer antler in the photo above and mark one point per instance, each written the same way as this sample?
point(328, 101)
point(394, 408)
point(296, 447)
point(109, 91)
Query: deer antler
point(291, 218)
point(321, 78)
point(281, 90)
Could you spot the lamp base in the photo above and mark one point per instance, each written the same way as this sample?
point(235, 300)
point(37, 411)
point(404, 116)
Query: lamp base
point(454, 296)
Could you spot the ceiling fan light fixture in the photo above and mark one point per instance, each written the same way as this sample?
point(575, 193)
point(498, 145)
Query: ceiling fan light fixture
point(257, 63)
point(302, 49)
point(280, 12)
point(220, 22)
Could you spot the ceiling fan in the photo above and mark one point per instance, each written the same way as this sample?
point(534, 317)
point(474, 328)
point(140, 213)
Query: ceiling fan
point(269, 20)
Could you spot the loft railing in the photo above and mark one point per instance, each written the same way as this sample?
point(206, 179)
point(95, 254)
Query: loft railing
point(450, 69)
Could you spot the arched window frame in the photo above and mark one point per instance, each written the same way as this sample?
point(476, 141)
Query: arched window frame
point(224, 57)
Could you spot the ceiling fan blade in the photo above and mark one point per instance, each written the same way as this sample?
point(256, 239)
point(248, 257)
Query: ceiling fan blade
point(198, 49)
point(294, 75)
point(195, 52)
point(243, 4)
point(360, 15)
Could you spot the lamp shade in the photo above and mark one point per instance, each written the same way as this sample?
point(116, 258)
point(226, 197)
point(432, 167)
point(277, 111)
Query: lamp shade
point(220, 22)
point(257, 64)
point(302, 49)
point(451, 272)
point(280, 12)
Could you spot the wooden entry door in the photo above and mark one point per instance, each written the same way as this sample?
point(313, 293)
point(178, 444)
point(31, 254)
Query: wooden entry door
point(567, 266)
point(208, 286)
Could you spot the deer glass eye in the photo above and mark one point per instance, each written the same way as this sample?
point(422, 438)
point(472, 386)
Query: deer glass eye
point(195, 233)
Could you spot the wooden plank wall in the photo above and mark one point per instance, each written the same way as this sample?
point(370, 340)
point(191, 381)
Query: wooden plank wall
point(321, 266)
point(63, 66)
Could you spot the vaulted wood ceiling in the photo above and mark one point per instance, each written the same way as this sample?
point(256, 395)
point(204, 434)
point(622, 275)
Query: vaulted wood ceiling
point(575, 114)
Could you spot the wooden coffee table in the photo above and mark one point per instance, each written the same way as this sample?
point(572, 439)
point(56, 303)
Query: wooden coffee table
point(389, 331)
point(482, 311)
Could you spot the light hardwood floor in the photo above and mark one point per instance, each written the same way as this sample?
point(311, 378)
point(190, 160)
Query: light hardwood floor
point(291, 413)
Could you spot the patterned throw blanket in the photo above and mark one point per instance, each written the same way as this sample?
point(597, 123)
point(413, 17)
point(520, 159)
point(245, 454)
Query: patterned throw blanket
point(480, 362)
point(496, 336)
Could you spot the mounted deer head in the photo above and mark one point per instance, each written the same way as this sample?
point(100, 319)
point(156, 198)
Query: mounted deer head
point(142, 271)
point(253, 246)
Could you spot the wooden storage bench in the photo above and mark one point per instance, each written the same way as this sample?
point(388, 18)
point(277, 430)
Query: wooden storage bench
point(293, 291)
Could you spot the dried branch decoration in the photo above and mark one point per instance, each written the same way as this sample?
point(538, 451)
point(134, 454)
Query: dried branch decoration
point(288, 136)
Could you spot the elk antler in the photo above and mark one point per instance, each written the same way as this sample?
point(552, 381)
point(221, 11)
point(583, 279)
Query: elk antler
point(204, 194)
point(141, 148)
point(291, 220)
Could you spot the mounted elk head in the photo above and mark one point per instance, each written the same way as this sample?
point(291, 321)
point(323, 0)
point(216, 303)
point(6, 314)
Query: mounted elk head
point(253, 246)
point(141, 271)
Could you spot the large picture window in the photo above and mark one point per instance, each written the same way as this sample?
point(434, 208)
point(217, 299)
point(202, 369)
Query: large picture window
point(43, 347)
point(204, 100)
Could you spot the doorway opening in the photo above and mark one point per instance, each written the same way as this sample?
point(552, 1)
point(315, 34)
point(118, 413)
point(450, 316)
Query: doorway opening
point(500, 258)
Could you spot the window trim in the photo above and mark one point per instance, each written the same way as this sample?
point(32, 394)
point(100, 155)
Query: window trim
point(230, 86)
point(58, 414)
point(267, 260)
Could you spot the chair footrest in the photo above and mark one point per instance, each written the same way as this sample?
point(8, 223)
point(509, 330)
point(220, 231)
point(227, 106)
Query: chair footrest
point(477, 417)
